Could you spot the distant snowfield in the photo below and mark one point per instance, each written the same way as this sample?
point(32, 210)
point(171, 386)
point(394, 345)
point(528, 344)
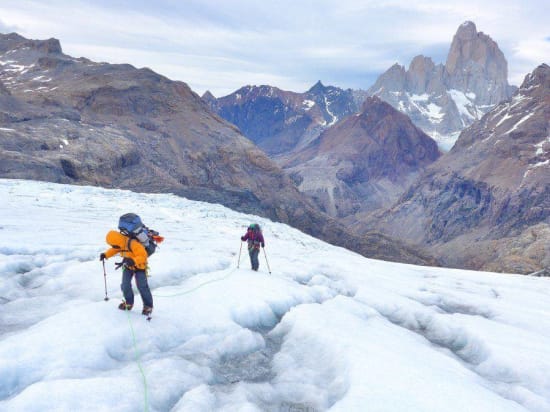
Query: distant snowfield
point(444, 142)
point(327, 330)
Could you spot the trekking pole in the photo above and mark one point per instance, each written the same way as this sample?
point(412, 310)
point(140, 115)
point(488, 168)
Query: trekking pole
point(105, 279)
point(265, 254)
point(239, 262)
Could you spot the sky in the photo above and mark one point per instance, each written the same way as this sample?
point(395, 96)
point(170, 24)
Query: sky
point(316, 327)
point(223, 45)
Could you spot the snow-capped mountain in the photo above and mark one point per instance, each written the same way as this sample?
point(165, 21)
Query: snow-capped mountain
point(281, 121)
point(441, 99)
point(444, 99)
point(327, 330)
point(486, 203)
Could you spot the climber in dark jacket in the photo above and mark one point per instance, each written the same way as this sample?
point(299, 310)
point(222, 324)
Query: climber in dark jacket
point(255, 239)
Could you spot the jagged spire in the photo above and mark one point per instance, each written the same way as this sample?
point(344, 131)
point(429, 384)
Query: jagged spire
point(317, 87)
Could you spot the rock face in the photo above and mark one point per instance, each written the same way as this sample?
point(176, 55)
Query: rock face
point(364, 162)
point(75, 121)
point(444, 99)
point(476, 65)
point(486, 203)
point(280, 121)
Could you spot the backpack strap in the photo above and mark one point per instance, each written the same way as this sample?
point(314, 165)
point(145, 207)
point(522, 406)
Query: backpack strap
point(129, 245)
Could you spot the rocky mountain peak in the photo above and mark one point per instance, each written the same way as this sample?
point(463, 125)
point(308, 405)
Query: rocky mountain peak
point(12, 37)
point(392, 79)
point(317, 88)
point(444, 99)
point(420, 73)
point(52, 46)
point(13, 41)
point(250, 92)
point(209, 99)
point(421, 64)
point(539, 77)
point(475, 64)
point(467, 31)
point(522, 120)
point(373, 104)
point(208, 95)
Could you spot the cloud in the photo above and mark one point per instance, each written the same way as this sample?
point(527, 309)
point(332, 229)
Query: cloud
point(527, 52)
point(218, 45)
point(7, 28)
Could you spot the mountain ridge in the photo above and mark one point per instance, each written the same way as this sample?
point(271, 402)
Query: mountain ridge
point(280, 121)
point(364, 162)
point(486, 203)
point(119, 126)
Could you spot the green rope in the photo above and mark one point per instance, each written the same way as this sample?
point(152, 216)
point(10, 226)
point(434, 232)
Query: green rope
point(146, 408)
point(197, 287)
point(145, 392)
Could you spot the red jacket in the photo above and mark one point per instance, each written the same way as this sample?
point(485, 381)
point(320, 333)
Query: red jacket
point(254, 239)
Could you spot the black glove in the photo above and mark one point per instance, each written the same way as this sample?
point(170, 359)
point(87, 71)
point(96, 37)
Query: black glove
point(128, 262)
point(263, 244)
point(125, 262)
point(102, 257)
point(242, 238)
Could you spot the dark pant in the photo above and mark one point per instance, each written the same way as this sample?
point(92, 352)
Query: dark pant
point(254, 258)
point(141, 283)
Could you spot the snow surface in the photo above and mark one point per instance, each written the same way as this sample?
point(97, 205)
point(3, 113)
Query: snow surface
point(332, 115)
point(326, 330)
point(308, 104)
point(464, 103)
point(427, 109)
point(539, 146)
point(445, 142)
point(419, 97)
point(523, 119)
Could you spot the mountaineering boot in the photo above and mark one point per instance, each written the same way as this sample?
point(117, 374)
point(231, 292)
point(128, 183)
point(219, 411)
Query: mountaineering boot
point(125, 306)
point(147, 311)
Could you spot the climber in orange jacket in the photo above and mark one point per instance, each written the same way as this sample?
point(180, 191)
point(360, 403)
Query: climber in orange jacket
point(134, 263)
